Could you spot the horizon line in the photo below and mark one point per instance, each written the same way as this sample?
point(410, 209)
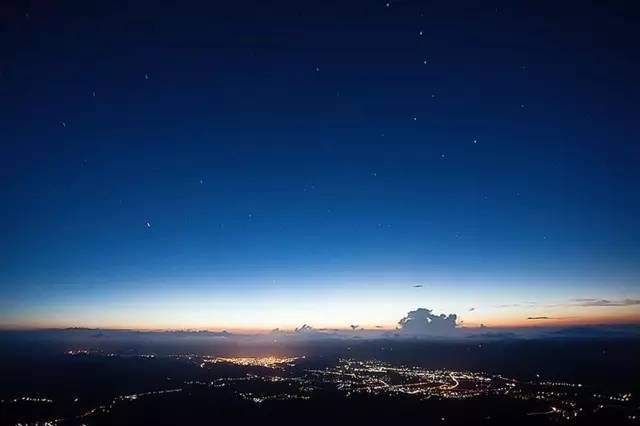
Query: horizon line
point(249, 331)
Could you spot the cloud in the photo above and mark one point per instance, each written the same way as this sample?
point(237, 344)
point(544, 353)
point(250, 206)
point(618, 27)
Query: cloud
point(418, 286)
point(539, 318)
point(605, 302)
point(423, 322)
point(354, 327)
point(515, 305)
point(472, 309)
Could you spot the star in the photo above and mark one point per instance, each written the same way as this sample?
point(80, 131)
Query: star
point(475, 141)
point(147, 224)
point(63, 124)
point(420, 33)
point(317, 69)
point(146, 76)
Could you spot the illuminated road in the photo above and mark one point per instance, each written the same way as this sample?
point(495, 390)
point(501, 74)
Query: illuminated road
point(543, 413)
point(455, 381)
point(451, 387)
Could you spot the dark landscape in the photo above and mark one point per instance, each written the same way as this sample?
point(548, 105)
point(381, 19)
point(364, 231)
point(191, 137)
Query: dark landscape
point(75, 377)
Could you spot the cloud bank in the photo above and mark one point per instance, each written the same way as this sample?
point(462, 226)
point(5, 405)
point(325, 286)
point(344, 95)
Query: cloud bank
point(422, 322)
point(605, 302)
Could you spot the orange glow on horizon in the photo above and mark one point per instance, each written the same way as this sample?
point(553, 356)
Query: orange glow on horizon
point(490, 322)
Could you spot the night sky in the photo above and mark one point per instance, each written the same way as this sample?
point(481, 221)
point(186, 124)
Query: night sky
point(250, 165)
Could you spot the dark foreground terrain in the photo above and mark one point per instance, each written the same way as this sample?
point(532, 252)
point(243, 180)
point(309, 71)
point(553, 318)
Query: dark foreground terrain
point(212, 380)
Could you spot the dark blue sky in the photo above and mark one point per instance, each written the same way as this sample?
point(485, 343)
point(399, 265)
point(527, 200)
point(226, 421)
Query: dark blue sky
point(329, 155)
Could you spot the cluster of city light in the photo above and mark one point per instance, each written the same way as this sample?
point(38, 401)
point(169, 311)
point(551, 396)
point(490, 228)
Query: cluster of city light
point(378, 377)
point(625, 397)
point(265, 361)
point(371, 377)
point(250, 396)
point(83, 351)
point(78, 352)
point(562, 384)
point(621, 398)
point(28, 399)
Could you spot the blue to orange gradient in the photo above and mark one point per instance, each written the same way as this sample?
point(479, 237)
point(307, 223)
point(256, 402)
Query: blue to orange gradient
point(262, 172)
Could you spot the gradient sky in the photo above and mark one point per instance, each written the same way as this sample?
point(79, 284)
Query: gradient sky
point(249, 165)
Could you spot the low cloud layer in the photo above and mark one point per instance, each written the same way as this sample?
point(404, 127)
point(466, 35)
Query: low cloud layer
point(516, 305)
point(605, 302)
point(422, 322)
